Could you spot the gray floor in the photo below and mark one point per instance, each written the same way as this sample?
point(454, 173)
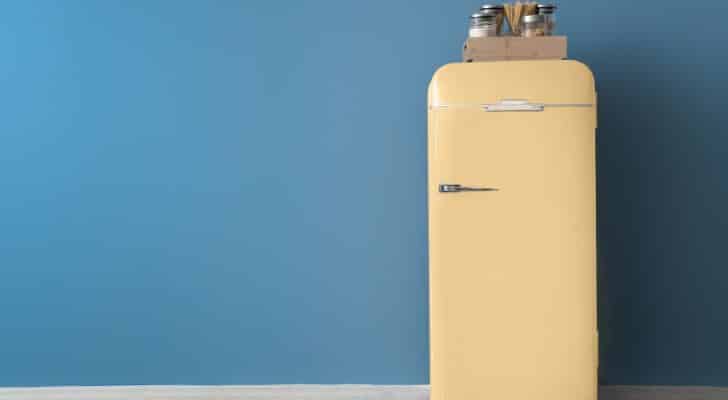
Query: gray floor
point(319, 392)
point(285, 392)
point(662, 393)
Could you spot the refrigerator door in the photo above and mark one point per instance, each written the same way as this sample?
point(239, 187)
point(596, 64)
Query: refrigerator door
point(512, 231)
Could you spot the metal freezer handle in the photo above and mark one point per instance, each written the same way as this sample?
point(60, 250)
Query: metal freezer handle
point(513, 105)
point(455, 188)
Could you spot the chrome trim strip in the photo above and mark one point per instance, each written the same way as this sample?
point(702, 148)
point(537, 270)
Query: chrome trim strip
point(483, 106)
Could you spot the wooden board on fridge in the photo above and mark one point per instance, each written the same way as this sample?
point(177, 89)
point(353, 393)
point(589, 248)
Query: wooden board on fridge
point(502, 48)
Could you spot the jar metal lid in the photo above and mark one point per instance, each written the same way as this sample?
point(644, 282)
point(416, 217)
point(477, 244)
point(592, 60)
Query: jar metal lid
point(533, 18)
point(491, 11)
point(546, 6)
point(492, 7)
point(483, 16)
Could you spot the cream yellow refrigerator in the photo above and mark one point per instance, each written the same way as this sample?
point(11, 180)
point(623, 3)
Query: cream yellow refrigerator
point(512, 201)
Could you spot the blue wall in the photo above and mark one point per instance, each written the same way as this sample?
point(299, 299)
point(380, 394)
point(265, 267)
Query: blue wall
point(234, 191)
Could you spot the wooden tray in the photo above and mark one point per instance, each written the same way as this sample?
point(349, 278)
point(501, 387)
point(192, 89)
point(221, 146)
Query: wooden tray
point(501, 48)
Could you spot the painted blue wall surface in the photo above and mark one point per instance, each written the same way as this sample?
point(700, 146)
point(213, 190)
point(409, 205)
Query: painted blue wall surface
point(207, 192)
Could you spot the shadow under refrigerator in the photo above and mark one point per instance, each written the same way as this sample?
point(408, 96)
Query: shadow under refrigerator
point(512, 231)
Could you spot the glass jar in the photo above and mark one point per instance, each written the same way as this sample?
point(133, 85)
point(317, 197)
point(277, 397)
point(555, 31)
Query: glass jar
point(547, 10)
point(483, 25)
point(532, 25)
point(499, 10)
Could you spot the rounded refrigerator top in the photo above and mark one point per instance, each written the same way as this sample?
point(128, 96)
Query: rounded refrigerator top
point(547, 82)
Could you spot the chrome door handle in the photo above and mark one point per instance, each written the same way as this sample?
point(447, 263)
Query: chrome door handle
point(513, 105)
point(455, 188)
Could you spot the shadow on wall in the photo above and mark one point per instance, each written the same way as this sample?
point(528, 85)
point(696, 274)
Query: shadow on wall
point(660, 153)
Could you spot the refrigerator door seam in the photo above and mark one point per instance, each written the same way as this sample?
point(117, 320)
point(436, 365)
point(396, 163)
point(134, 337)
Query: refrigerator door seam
point(486, 106)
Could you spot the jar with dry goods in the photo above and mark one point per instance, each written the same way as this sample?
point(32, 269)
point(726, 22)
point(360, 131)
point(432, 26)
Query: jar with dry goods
point(499, 11)
point(483, 25)
point(548, 12)
point(532, 25)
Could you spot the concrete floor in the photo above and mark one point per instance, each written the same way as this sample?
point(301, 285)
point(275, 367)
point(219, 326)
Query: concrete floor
point(320, 392)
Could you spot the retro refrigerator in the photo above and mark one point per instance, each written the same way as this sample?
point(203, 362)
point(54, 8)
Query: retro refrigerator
point(512, 241)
